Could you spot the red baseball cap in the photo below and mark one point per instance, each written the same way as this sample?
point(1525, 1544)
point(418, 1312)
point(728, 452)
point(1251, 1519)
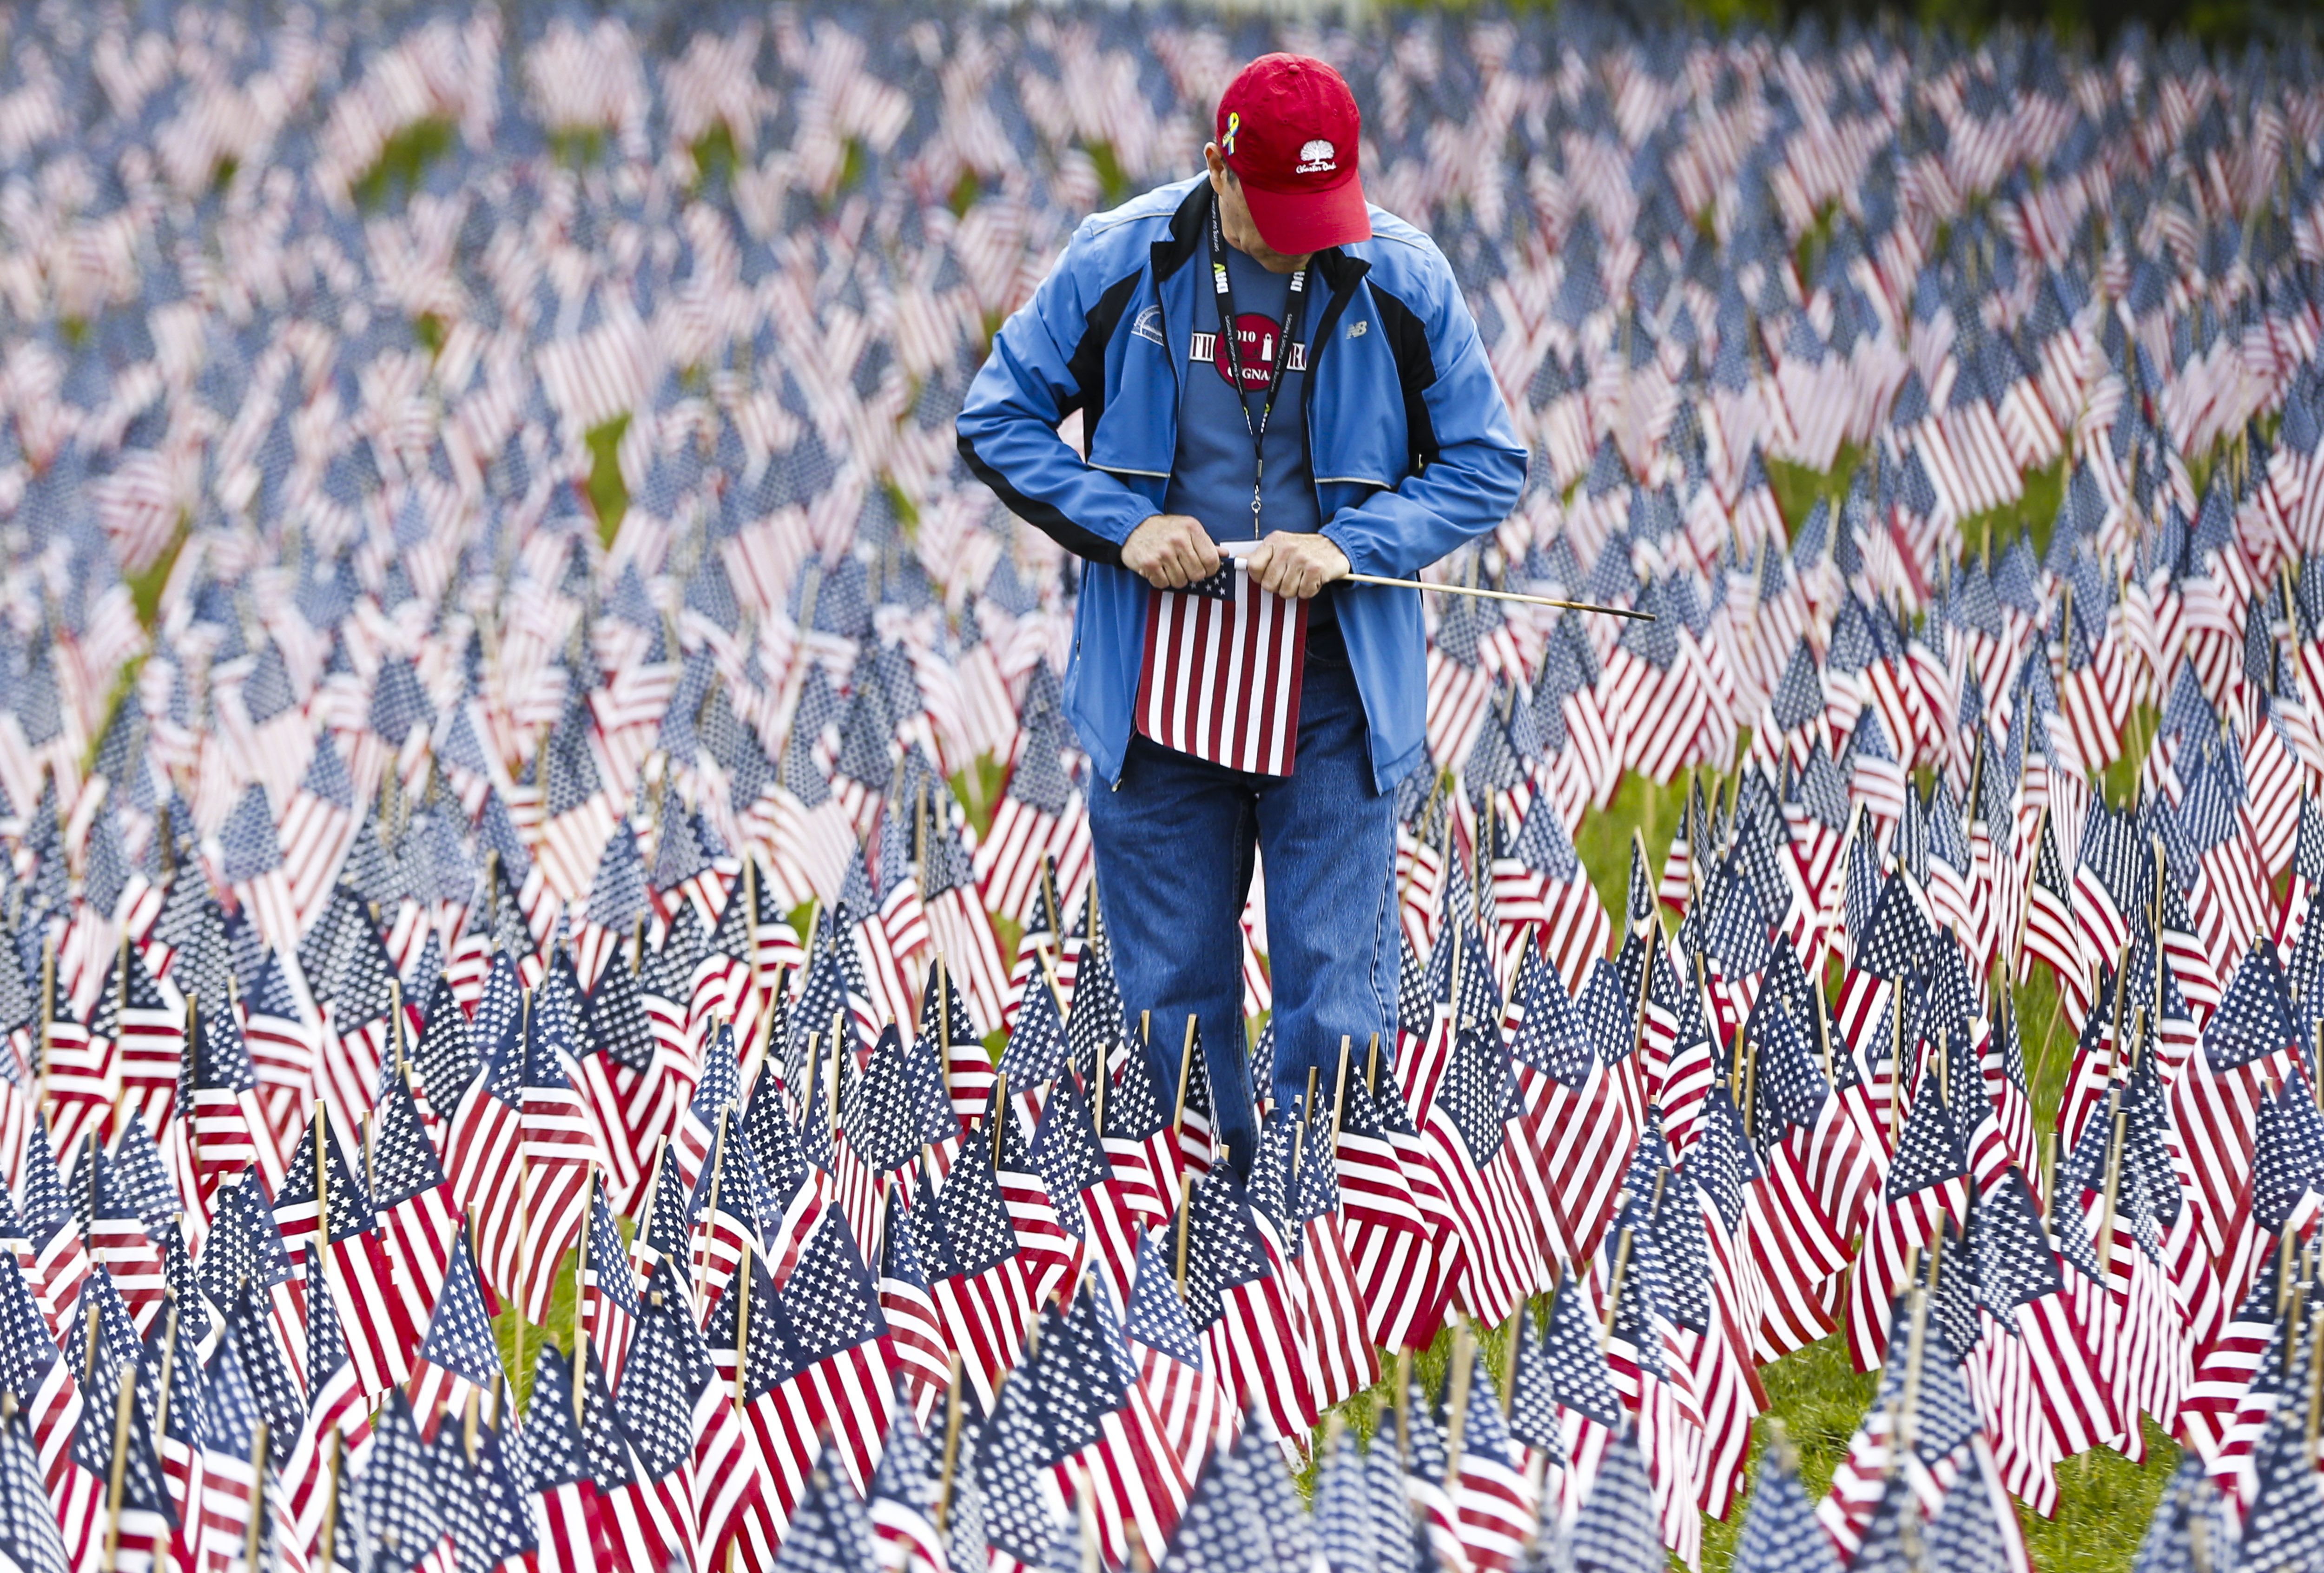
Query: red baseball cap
point(1288, 128)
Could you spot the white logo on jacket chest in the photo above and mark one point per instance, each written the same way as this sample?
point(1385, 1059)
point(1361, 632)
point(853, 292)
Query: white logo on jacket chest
point(1150, 325)
point(1204, 348)
point(1359, 327)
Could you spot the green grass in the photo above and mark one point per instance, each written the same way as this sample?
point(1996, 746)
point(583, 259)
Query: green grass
point(1113, 186)
point(577, 148)
point(396, 173)
point(146, 584)
point(609, 495)
point(715, 156)
point(1603, 839)
point(2030, 515)
point(1797, 487)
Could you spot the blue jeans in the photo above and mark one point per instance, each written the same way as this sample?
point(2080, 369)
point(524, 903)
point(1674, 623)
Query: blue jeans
point(1175, 841)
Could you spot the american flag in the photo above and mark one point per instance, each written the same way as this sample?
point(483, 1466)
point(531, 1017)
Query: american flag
point(652, 1499)
point(903, 1504)
point(1926, 1187)
point(481, 1145)
point(1241, 1303)
point(559, 1148)
point(969, 1248)
point(453, 716)
point(328, 1220)
point(843, 1349)
point(458, 1361)
point(228, 1123)
point(418, 1217)
point(558, 1465)
point(119, 1243)
point(1220, 675)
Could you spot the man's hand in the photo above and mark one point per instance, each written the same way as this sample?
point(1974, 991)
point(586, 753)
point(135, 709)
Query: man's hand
point(1170, 552)
point(1296, 565)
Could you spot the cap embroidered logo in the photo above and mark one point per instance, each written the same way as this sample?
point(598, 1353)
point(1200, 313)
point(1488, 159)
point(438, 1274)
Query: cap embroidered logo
point(1316, 157)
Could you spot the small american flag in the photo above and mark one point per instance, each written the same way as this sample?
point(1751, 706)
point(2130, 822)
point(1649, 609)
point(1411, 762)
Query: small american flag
point(1222, 673)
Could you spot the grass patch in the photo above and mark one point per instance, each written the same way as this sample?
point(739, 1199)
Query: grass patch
point(1797, 487)
point(978, 787)
point(428, 327)
point(577, 147)
point(125, 684)
point(609, 495)
point(2120, 777)
point(147, 583)
point(2030, 515)
point(965, 191)
point(1603, 839)
point(1820, 1401)
point(715, 156)
point(1813, 242)
point(403, 161)
point(1113, 186)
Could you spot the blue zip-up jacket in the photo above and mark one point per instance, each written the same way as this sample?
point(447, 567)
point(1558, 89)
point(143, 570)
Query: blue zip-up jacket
point(1408, 436)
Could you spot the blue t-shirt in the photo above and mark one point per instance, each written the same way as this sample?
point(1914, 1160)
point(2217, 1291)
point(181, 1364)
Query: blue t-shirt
point(1211, 480)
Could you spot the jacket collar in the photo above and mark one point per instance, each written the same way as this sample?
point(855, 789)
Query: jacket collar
point(1192, 221)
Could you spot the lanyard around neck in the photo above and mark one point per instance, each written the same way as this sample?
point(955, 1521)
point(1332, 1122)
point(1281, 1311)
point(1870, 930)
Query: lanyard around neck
point(1230, 339)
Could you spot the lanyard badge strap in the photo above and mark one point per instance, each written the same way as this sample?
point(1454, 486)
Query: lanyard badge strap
point(1230, 335)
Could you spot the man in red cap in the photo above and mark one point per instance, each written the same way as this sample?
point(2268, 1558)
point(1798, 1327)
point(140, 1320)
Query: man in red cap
point(1279, 386)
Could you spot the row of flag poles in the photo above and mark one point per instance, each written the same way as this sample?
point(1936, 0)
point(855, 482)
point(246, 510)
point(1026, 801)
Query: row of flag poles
point(676, 936)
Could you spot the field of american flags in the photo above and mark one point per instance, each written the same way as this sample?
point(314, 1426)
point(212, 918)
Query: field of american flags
point(530, 777)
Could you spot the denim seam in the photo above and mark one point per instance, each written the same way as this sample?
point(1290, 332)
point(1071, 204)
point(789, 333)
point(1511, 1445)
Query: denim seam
point(1382, 914)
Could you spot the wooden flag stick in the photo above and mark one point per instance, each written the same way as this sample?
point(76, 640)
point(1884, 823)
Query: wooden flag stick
point(322, 1171)
point(1101, 1079)
point(1185, 1068)
point(2315, 1378)
point(1402, 1397)
point(951, 1442)
point(742, 1288)
point(1483, 594)
point(750, 916)
point(1371, 1070)
point(1456, 1397)
point(124, 1401)
point(1614, 1287)
point(257, 1499)
point(331, 1500)
point(1186, 1204)
point(395, 1027)
point(999, 1118)
point(838, 1049)
point(48, 1011)
point(1920, 1322)
point(191, 1059)
point(2113, 1185)
point(581, 1262)
point(717, 1173)
point(1509, 1358)
point(944, 1023)
point(1339, 1091)
point(169, 1365)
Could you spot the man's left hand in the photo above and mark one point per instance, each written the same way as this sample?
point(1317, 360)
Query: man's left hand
point(1296, 565)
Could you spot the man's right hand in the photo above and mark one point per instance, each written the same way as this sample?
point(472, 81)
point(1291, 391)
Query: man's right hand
point(1170, 552)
